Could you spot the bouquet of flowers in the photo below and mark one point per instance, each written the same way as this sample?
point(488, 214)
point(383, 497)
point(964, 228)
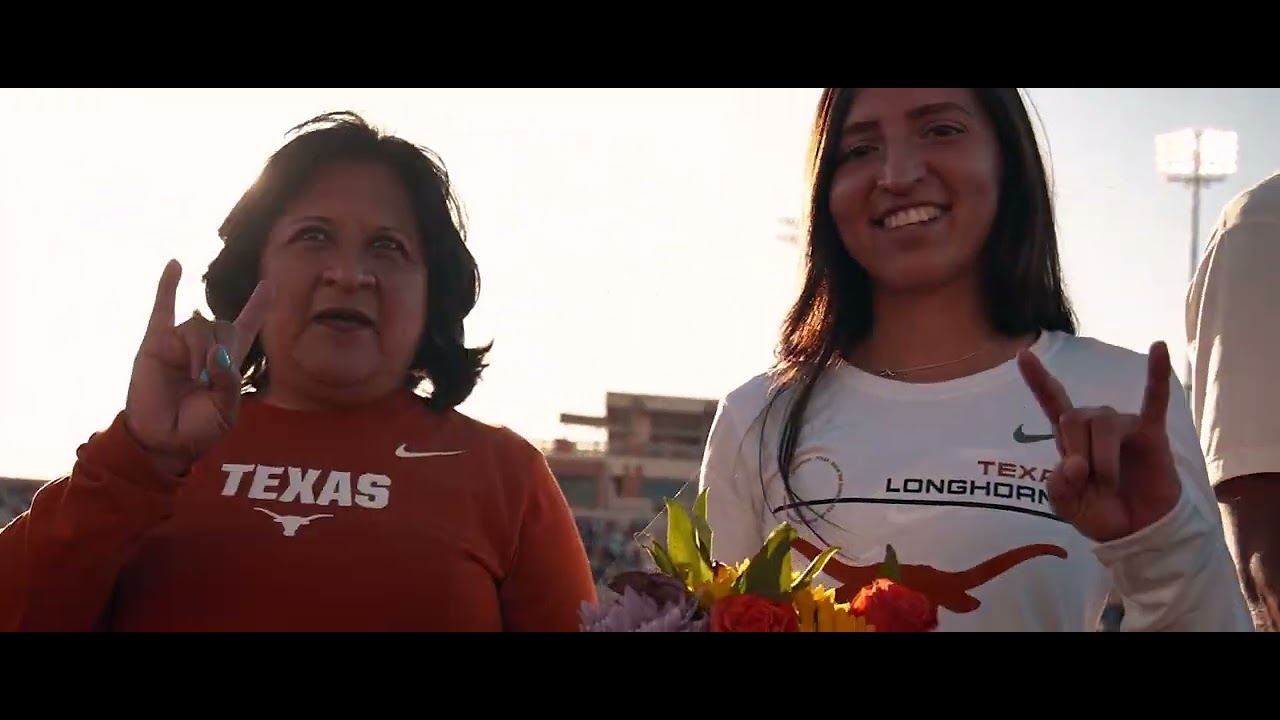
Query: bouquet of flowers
point(693, 592)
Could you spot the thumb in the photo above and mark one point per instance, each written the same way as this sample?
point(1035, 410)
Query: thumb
point(224, 383)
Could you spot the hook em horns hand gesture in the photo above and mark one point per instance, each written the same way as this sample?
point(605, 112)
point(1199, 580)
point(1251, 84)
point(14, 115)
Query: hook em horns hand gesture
point(1117, 474)
point(184, 393)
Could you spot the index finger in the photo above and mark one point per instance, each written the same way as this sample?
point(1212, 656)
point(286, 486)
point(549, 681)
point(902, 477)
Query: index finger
point(162, 312)
point(1155, 400)
point(251, 319)
point(1052, 397)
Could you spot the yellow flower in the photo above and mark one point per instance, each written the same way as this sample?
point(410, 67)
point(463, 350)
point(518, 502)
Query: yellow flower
point(819, 612)
point(721, 586)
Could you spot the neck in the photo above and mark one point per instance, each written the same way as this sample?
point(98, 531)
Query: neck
point(932, 337)
point(307, 397)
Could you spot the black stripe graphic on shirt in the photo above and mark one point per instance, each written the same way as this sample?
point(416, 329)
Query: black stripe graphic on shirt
point(920, 503)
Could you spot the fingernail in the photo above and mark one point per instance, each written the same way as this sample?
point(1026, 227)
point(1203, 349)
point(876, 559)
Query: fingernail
point(204, 377)
point(222, 358)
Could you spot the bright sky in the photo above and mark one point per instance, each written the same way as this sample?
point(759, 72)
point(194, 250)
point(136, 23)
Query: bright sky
point(627, 238)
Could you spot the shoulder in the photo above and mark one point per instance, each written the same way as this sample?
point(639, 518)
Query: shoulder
point(752, 418)
point(1095, 372)
point(748, 398)
point(1071, 351)
point(1247, 234)
point(501, 462)
point(1234, 284)
point(1260, 202)
point(488, 442)
point(763, 398)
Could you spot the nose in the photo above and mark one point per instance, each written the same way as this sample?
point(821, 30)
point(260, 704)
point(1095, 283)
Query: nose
point(348, 271)
point(901, 169)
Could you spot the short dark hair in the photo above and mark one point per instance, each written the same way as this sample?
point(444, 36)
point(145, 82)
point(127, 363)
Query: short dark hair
point(442, 359)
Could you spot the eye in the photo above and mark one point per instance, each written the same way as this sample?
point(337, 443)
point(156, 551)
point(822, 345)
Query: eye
point(386, 242)
point(311, 234)
point(944, 130)
point(857, 152)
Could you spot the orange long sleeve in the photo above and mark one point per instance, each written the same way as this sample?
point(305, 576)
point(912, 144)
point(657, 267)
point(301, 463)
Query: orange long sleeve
point(59, 561)
point(550, 575)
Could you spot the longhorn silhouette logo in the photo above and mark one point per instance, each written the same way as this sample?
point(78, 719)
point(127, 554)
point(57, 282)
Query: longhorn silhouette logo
point(291, 523)
point(949, 590)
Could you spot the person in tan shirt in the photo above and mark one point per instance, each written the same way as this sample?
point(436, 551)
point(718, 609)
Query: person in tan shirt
point(1233, 337)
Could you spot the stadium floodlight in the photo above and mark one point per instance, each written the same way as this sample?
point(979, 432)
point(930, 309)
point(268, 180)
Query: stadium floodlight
point(1197, 158)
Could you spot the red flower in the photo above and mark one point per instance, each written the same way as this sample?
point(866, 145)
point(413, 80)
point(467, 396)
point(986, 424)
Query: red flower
point(752, 613)
point(891, 607)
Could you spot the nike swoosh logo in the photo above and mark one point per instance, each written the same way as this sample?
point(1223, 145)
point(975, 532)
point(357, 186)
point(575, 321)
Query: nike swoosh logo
point(1022, 438)
point(403, 452)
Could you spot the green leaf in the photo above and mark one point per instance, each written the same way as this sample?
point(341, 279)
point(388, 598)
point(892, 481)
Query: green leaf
point(889, 569)
point(703, 532)
point(703, 528)
point(814, 569)
point(661, 558)
point(769, 573)
point(682, 544)
point(700, 505)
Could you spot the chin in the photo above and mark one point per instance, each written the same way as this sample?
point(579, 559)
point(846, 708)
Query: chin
point(340, 372)
point(918, 275)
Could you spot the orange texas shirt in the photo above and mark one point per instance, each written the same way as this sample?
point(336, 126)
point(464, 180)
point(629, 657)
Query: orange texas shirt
point(389, 518)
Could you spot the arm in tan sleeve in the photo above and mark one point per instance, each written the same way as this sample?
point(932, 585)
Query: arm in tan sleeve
point(59, 560)
point(550, 575)
point(1233, 322)
point(1233, 325)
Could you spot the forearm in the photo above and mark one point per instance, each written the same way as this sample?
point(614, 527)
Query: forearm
point(1251, 507)
point(1176, 576)
point(59, 560)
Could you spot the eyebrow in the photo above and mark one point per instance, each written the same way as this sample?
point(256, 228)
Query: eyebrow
point(312, 219)
point(916, 113)
point(322, 220)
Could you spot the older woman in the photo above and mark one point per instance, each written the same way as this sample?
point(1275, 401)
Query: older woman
point(298, 464)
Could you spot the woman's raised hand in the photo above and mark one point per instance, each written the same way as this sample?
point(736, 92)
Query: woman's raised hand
point(1117, 474)
point(184, 394)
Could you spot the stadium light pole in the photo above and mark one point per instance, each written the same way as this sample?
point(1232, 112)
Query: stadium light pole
point(1196, 158)
point(790, 233)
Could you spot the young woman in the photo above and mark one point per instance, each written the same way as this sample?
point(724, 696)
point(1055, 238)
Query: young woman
point(931, 393)
point(344, 493)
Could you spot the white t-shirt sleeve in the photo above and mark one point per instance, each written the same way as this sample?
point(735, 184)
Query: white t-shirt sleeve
point(1235, 341)
point(733, 508)
point(1178, 575)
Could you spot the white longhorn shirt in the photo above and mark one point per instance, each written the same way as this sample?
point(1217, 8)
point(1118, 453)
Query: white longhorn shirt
point(953, 475)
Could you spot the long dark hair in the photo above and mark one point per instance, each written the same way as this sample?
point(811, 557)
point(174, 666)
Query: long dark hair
point(442, 359)
point(1021, 276)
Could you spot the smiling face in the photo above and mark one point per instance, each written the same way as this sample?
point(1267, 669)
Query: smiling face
point(916, 186)
point(346, 262)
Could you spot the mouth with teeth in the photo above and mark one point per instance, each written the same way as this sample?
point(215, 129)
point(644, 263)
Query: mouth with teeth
point(343, 320)
point(911, 217)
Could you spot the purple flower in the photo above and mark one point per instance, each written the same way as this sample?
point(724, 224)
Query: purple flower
point(633, 612)
point(659, 586)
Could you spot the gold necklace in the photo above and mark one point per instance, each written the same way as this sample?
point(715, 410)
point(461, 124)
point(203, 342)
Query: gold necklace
point(891, 374)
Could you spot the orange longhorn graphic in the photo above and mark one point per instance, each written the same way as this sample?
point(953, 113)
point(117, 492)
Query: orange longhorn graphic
point(948, 590)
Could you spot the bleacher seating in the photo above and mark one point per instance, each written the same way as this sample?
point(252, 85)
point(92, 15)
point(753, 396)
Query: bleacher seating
point(611, 544)
point(15, 497)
